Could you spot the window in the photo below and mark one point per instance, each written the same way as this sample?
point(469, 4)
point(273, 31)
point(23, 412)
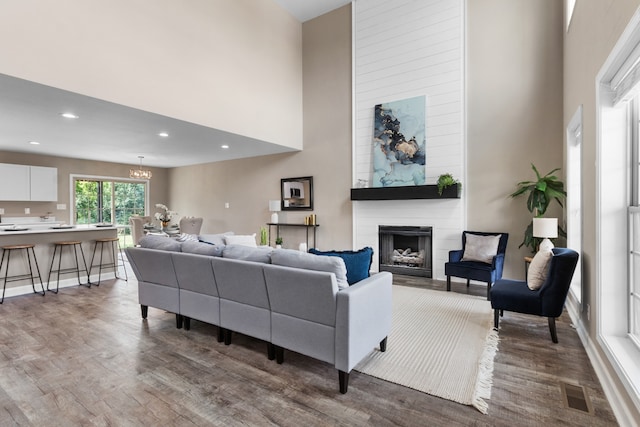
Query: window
point(110, 200)
point(634, 226)
point(574, 197)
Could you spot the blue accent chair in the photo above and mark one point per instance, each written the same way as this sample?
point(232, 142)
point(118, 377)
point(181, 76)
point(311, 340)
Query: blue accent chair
point(548, 301)
point(476, 270)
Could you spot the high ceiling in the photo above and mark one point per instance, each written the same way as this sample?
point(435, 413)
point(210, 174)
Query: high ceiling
point(31, 112)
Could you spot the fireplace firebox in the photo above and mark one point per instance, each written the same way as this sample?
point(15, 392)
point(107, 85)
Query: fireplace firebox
point(405, 250)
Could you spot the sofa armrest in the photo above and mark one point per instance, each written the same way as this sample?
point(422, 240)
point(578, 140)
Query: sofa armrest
point(456, 256)
point(363, 319)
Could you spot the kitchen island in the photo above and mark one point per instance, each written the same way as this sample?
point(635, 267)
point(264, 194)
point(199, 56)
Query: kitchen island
point(43, 235)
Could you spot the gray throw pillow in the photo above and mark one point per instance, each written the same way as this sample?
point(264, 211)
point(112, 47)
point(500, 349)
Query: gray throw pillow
point(162, 243)
point(202, 248)
point(481, 248)
point(297, 259)
point(247, 253)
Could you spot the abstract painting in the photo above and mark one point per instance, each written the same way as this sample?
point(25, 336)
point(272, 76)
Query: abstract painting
point(399, 143)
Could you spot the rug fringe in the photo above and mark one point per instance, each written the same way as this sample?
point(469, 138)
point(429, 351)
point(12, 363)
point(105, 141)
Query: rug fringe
point(485, 372)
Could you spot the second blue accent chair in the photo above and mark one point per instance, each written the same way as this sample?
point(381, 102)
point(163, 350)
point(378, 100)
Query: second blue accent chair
point(476, 270)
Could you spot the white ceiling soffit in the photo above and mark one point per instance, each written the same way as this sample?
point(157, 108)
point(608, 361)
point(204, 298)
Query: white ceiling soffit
point(304, 10)
point(109, 132)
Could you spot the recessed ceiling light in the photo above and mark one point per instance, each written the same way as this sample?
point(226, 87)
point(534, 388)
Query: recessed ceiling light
point(34, 143)
point(69, 116)
point(225, 146)
point(163, 134)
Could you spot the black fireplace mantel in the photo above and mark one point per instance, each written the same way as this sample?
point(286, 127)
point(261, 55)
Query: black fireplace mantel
point(406, 193)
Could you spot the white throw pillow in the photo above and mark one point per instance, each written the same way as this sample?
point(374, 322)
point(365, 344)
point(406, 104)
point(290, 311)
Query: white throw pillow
point(243, 240)
point(481, 248)
point(538, 269)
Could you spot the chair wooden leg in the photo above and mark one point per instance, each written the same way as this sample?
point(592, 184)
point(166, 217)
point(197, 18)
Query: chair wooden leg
point(488, 291)
point(343, 378)
point(468, 281)
point(143, 308)
point(448, 283)
point(383, 345)
point(552, 329)
point(496, 318)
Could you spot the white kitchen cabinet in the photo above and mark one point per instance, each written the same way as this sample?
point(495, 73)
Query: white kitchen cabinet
point(28, 183)
point(44, 184)
point(15, 182)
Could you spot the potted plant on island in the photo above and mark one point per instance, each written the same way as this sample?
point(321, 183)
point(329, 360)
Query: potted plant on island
point(541, 193)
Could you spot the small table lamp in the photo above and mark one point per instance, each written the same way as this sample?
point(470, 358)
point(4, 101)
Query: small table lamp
point(545, 228)
point(274, 206)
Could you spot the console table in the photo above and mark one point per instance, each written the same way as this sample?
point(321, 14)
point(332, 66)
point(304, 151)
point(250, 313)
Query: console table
point(277, 225)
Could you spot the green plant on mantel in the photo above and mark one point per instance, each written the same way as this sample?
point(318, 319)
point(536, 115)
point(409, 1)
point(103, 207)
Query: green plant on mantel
point(446, 180)
point(541, 193)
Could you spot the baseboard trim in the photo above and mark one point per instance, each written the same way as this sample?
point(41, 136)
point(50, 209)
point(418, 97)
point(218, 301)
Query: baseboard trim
point(617, 396)
point(64, 283)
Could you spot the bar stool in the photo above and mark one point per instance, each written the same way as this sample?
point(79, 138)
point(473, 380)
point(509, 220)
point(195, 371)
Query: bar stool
point(114, 263)
point(77, 269)
point(6, 250)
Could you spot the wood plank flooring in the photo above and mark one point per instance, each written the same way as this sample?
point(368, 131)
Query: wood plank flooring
point(85, 357)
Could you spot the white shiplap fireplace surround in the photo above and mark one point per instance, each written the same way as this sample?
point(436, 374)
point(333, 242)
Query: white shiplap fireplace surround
point(401, 50)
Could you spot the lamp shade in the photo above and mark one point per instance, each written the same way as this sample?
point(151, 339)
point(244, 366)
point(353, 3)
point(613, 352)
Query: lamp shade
point(545, 227)
point(274, 205)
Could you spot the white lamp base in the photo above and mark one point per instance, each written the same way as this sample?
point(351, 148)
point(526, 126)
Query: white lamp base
point(546, 245)
point(274, 218)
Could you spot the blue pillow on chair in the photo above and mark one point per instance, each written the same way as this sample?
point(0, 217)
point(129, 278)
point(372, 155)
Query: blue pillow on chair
point(358, 262)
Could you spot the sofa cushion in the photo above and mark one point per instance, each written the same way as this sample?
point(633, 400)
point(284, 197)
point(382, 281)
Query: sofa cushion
point(538, 269)
point(246, 253)
point(215, 239)
point(308, 261)
point(202, 248)
point(185, 237)
point(163, 243)
point(245, 240)
point(358, 263)
point(481, 248)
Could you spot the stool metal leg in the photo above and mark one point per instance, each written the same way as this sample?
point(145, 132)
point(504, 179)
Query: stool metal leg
point(53, 258)
point(4, 286)
point(124, 267)
point(35, 260)
point(84, 262)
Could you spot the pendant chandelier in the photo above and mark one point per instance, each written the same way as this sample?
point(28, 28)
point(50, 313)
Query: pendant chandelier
point(140, 173)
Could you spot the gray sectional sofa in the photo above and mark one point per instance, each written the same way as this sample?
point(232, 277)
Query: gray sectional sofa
point(291, 300)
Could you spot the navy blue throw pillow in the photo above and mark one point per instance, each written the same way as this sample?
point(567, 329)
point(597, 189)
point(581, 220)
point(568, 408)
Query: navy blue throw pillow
point(358, 263)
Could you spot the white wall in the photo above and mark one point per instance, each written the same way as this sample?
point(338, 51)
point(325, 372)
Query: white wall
point(411, 49)
point(234, 65)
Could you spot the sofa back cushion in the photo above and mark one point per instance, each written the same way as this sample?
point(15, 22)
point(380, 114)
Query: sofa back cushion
point(195, 273)
point(307, 261)
point(201, 248)
point(215, 239)
point(162, 243)
point(246, 253)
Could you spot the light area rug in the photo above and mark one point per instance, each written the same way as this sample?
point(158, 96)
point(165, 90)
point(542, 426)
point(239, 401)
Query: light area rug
point(441, 343)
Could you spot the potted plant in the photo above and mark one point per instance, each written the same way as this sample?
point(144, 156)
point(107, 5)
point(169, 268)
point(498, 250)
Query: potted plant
point(446, 180)
point(541, 193)
point(264, 236)
point(278, 242)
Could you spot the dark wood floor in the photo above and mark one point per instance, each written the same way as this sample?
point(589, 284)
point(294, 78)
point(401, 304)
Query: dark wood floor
point(85, 357)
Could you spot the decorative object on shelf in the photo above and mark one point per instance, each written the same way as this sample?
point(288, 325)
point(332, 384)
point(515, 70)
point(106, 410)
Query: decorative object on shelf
point(165, 215)
point(274, 207)
point(362, 183)
point(541, 192)
point(140, 173)
point(297, 193)
point(310, 220)
point(446, 180)
point(302, 247)
point(278, 242)
point(264, 236)
point(545, 228)
point(399, 143)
